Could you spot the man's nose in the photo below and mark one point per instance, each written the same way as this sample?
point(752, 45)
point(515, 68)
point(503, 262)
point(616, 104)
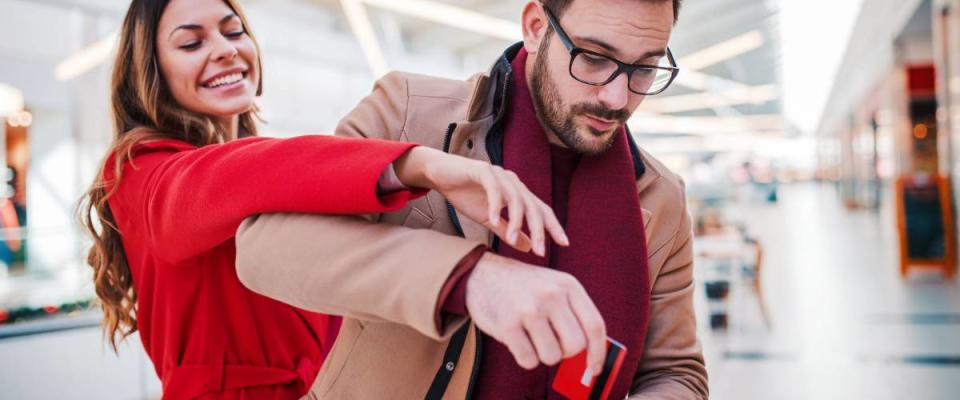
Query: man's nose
point(616, 94)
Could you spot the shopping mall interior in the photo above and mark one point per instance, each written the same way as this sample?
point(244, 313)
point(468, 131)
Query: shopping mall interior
point(819, 141)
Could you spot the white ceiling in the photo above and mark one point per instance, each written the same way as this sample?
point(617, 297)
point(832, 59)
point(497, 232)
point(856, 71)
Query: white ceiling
point(316, 68)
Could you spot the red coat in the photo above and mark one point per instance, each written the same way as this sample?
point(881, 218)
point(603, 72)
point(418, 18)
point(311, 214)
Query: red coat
point(178, 208)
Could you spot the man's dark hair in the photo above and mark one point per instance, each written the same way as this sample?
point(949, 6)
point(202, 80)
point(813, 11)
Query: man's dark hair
point(557, 7)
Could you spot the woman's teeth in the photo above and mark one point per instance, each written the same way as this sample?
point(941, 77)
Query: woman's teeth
point(225, 80)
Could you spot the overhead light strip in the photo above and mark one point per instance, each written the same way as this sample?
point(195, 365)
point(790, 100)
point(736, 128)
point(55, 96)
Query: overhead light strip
point(363, 30)
point(453, 16)
point(86, 59)
point(723, 51)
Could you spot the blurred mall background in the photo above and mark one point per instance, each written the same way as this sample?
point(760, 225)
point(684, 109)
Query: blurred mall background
point(820, 140)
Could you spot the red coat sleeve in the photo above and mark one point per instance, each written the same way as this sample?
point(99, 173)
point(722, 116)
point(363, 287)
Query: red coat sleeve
point(189, 200)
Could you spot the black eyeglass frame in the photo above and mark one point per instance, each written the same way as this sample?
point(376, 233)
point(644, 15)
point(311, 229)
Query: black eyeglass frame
point(621, 66)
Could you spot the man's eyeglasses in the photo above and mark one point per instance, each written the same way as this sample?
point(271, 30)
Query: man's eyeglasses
point(598, 70)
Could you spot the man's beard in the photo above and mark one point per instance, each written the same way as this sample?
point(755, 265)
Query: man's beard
point(550, 111)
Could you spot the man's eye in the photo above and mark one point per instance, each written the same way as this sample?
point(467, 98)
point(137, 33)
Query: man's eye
point(645, 72)
point(592, 59)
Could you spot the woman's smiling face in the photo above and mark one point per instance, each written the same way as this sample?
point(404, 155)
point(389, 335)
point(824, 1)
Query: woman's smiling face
point(209, 63)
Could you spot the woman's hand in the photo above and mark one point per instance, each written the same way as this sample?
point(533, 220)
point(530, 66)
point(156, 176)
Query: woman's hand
point(480, 191)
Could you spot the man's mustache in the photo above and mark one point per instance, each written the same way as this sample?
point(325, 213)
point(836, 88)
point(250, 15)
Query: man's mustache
point(601, 112)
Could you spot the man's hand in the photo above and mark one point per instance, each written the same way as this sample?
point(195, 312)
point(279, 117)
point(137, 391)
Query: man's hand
point(541, 315)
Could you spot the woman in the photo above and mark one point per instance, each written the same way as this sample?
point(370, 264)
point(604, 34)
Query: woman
point(185, 169)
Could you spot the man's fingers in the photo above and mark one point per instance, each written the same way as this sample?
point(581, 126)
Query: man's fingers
point(544, 340)
point(519, 345)
point(593, 327)
point(573, 340)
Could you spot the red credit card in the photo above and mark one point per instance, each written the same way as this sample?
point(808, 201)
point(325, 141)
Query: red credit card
point(570, 374)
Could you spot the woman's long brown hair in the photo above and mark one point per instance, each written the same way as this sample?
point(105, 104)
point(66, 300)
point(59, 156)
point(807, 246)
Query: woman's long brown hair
point(143, 109)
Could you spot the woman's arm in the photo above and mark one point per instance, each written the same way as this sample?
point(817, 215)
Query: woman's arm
point(191, 199)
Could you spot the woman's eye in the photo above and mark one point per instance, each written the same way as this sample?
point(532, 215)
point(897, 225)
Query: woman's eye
point(191, 46)
point(234, 35)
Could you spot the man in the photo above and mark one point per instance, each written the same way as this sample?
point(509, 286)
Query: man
point(553, 111)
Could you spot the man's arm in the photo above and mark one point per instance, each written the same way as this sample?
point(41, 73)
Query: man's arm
point(349, 266)
point(672, 366)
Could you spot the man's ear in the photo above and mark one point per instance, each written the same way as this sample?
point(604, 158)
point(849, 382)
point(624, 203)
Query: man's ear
point(534, 23)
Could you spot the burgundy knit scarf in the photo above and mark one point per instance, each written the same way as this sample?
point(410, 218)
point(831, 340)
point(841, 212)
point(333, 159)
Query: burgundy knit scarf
point(608, 252)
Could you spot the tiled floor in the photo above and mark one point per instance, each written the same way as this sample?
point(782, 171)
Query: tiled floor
point(843, 324)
